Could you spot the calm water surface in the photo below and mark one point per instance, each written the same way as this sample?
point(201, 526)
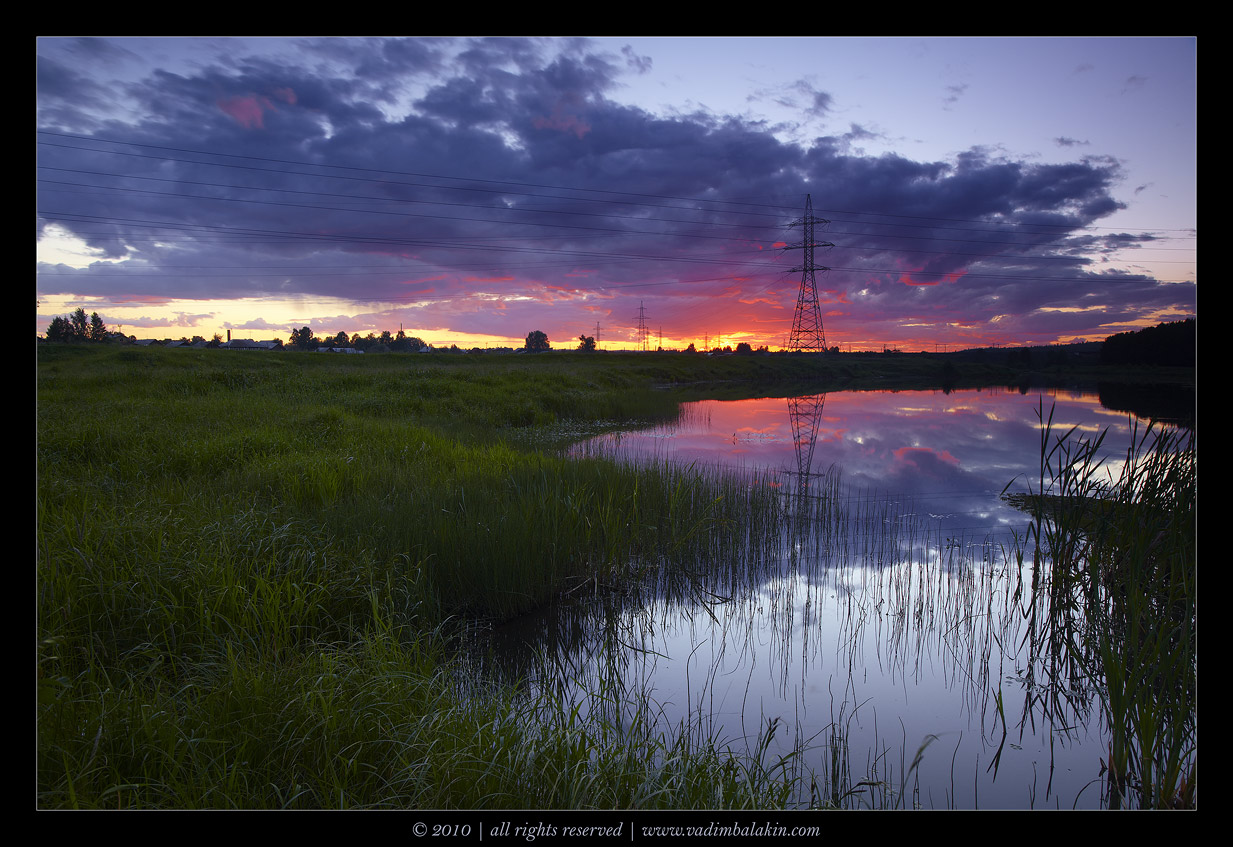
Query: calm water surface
point(892, 634)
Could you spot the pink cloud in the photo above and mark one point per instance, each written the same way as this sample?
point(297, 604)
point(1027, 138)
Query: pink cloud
point(249, 110)
point(563, 121)
point(952, 277)
point(924, 458)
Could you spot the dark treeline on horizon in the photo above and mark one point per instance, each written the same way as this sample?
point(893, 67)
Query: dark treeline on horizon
point(1166, 344)
point(1171, 344)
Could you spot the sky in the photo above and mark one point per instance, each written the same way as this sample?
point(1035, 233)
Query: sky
point(970, 192)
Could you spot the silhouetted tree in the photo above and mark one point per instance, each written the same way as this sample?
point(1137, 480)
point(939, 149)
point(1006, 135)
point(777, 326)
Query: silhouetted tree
point(78, 327)
point(80, 324)
point(303, 339)
point(586, 343)
point(537, 342)
point(60, 329)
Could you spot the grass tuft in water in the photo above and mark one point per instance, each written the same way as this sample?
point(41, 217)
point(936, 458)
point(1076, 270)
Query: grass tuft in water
point(1114, 601)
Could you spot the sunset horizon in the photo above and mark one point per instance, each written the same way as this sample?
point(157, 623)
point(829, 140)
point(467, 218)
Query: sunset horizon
point(468, 191)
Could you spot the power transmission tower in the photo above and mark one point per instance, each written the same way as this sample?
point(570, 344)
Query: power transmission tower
point(807, 333)
point(643, 331)
point(805, 413)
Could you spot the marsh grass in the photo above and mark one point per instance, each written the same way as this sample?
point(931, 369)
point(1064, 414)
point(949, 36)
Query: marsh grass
point(251, 572)
point(1113, 601)
point(820, 566)
point(258, 578)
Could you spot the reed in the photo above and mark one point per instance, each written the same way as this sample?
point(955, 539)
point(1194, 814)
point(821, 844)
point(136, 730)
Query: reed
point(1113, 604)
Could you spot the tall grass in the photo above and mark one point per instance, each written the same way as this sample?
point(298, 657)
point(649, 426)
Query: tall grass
point(257, 577)
point(250, 571)
point(1113, 604)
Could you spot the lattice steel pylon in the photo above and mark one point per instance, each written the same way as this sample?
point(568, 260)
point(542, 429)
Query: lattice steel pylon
point(805, 413)
point(808, 335)
point(643, 330)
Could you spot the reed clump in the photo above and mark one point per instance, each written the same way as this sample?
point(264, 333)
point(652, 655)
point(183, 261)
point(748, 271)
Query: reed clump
point(1113, 603)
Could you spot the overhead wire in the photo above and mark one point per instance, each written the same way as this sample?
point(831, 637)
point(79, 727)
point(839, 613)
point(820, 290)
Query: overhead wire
point(574, 230)
point(778, 209)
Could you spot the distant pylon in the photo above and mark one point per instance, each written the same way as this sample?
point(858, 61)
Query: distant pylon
point(643, 331)
point(807, 333)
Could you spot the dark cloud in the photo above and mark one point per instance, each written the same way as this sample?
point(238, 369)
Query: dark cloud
point(487, 185)
point(817, 103)
point(68, 98)
point(954, 93)
point(640, 64)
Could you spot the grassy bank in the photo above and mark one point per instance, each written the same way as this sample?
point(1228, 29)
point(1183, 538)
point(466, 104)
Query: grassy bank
point(250, 568)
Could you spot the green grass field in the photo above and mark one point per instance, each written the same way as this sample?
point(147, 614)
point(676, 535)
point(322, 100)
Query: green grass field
point(251, 566)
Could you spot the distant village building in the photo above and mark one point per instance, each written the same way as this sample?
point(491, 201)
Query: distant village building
point(248, 344)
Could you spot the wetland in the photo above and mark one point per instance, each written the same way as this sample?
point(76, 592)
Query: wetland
point(283, 582)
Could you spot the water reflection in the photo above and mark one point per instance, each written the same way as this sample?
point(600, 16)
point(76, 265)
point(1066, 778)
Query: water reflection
point(882, 625)
point(805, 413)
point(948, 455)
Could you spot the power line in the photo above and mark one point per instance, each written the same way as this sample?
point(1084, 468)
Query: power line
point(444, 244)
point(485, 243)
point(776, 210)
point(438, 244)
point(601, 191)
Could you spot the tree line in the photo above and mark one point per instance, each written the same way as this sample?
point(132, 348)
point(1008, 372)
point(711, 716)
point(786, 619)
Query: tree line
point(77, 327)
point(383, 342)
point(1170, 344)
